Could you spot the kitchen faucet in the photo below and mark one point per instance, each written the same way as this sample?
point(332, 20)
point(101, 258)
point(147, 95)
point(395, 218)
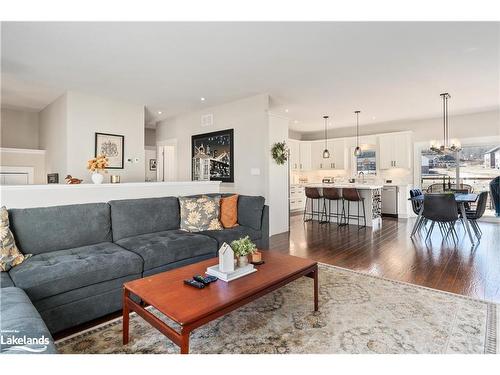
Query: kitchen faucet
point(361, 173)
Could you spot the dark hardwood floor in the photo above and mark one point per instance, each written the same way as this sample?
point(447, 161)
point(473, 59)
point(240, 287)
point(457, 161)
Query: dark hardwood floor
point(390, 253)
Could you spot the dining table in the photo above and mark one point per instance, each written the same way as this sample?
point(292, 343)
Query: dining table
point(461, 198)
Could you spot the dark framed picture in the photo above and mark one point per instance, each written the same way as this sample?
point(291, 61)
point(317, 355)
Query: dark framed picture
point(53, 178)
point(152, 164)
point(111, 145)
point(213, 156)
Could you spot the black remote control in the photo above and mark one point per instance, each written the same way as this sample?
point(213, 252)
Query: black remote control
point(194, 284)
point(205, 279)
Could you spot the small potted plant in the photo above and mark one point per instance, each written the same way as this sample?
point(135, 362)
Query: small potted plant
point(242, 249)
point(96, 166)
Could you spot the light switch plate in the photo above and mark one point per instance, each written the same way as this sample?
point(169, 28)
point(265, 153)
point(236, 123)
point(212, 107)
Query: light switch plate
point(255, 171)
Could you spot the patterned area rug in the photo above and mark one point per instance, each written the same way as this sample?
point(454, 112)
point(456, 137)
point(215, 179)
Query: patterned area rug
point(358, 314)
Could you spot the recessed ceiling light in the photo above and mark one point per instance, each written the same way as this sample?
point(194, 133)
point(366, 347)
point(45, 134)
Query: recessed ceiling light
point(296, 122)
point(286, 110)
point(202, 99)
point(374, 118)
point(160, 112)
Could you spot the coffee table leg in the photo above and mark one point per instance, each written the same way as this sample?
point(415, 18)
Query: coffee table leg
point(126, 313)
point(185, 342)
point(316, 297)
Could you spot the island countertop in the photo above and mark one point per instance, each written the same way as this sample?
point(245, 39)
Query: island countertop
point(359, 186)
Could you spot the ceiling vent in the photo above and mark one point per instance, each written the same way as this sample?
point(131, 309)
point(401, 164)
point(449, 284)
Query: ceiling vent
point(207, 120)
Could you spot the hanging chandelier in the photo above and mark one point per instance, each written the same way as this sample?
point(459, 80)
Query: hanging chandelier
point(357, 150)
point(326, 153)
point(447, 146)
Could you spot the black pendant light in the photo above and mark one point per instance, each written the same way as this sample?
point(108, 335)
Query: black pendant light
point(357, 150)
point(326, 153)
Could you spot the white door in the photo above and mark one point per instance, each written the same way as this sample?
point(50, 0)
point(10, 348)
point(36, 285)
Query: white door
point(305, 155)
point(167, 163)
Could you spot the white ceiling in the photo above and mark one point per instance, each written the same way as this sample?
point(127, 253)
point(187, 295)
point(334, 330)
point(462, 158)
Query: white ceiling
point(389, 71)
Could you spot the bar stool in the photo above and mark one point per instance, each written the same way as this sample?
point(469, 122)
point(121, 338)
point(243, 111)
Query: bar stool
point(329, 195)
point(352, 195)
point(313, 195)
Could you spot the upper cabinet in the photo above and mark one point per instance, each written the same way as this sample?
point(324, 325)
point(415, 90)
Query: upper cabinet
point(305, 156)
point(294, 153)
point(395, 151)
point(300, 155)
point(337, 155)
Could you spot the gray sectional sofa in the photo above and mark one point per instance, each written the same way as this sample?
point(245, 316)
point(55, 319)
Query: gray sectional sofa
point(82, 254)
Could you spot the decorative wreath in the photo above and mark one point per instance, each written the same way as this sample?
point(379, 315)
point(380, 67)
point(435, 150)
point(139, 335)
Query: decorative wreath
point(279, 153)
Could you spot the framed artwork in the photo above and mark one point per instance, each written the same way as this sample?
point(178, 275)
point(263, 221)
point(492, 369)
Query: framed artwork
point(152, 164)
point(53, 178)
point(111, 145)
point(213, 156)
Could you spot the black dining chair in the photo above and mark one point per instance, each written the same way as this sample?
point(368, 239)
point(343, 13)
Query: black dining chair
point(441, 209)
point(474, 215)
point(416, 206)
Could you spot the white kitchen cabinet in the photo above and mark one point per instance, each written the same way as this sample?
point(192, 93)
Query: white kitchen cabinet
point(293, 146)
point(337, 159)
point(305, 155)
point(317, 160)
point(297, 198)
point(337, 154)
point(394, 151)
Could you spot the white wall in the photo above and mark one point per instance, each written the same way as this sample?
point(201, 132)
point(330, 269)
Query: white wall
point(19, 129)
point(53, 136)
point(88, 114)
point(278, 179)
point(249, 119)
point(150, 137)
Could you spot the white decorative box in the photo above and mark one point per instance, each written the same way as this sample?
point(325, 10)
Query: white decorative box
point(230, 276)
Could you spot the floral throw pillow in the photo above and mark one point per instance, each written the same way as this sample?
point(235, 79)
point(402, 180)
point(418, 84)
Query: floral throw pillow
point(199, 214)
point(10, 255)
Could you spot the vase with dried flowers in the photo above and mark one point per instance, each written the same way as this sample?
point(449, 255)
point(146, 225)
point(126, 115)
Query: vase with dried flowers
point(97, 166)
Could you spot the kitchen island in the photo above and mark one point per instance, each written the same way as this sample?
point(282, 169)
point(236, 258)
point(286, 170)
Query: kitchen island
point(371, 193)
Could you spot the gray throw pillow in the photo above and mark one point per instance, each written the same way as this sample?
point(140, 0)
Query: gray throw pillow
point(199, 214)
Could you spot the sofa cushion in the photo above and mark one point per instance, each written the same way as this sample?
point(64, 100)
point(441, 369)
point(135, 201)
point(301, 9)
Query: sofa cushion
point(229, 211)
point(5, 280)
point(158, 249)
point(231, 234)
point(139, 216)
point(19, 319)
point(44, 229)
point(201, 213)
point(10, 256)
point(48, 274)
point(250, 210)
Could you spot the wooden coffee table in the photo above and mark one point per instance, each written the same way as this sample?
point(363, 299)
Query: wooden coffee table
point(192, 308)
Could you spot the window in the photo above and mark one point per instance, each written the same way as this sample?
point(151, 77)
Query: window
point(479, 164)
point(367, 162)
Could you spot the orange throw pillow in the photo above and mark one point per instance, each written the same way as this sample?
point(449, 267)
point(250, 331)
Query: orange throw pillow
point(229, 211)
